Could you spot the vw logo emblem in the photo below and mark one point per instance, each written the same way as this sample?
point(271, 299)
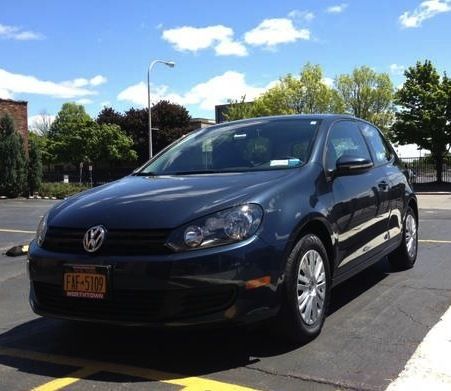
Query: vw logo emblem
point(94, 238)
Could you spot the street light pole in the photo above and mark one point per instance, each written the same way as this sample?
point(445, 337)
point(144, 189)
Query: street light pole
point(170, 64)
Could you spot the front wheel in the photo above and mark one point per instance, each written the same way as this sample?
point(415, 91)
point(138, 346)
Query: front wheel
point(405, 255)
point(307, 290)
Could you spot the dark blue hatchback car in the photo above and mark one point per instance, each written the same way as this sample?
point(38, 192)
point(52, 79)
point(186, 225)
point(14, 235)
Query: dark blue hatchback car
point(235, 223)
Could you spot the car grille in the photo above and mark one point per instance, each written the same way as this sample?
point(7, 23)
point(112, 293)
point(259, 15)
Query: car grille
point(137, 306)
point(117, 242)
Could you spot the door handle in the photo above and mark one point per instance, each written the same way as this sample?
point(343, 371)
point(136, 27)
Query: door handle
point(383, 185)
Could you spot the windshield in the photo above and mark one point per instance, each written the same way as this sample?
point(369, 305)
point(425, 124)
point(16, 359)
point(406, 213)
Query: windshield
point(263, 144)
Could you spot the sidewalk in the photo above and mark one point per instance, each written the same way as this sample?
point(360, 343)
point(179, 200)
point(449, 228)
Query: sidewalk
point(434, 201)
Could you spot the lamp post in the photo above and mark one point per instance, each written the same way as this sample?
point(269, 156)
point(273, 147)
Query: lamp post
point(170, 64)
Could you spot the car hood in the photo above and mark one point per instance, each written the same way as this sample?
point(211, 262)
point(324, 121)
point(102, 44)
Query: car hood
point(160, 202)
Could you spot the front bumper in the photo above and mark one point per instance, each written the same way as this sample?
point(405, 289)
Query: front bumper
point(185, 289)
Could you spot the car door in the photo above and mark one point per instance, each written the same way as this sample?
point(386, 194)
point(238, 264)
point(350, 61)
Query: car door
point(357, 209)
point(391, 179)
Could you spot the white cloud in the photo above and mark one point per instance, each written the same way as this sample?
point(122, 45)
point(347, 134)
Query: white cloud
point(337, 9)
point(230, 48)
point(84, 101)
point(426, 10)
point(5, 94)
point(272, 32)
point(328, 81)
point(97, 80)
point(14, 83)
point(217, 90)
point(307, 16)
point(18, 34)
point(193, 39)
point(396, 69)
point(83, 82)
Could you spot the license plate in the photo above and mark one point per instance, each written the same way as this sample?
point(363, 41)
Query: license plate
point(84, 281)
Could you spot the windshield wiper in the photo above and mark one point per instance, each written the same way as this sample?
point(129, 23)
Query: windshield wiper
point(142, 173)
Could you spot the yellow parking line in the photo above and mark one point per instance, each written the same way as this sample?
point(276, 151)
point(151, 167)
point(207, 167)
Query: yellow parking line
point(58, 384)
point(16, 231)
point(189, 383)
point(434, 241)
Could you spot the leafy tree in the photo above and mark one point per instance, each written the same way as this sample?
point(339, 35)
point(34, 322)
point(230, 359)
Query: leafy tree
point(239, 109)
point(74, 137)
point(34, 165)
point(171, 121)
point(368, 95)
point(109, 116)
point(108, 144)
point(424, 117)
point(68, 134)
point(167, 115)
point(12, 159)
point(306, 94)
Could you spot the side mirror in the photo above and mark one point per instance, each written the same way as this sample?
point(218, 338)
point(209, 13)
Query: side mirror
point(352, 164)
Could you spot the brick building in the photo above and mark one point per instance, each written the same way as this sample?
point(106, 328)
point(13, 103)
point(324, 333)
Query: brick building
point(18, 110)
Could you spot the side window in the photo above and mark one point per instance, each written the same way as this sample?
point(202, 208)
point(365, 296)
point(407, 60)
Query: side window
point(381, 152)
point(345, 138)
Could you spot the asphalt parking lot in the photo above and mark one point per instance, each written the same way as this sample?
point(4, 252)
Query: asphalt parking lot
point(375, 323)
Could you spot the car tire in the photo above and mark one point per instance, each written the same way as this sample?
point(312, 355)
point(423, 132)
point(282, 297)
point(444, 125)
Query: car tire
point(305, 295)
point(405, 255)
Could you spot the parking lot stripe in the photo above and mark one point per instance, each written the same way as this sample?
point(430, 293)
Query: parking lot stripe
point(434, 241)
point(429, 368)
point(73, 377)
point(16, 231)
point(188, 383)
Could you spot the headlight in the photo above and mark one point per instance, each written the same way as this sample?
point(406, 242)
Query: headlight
point(41, 231)
point(228, 226)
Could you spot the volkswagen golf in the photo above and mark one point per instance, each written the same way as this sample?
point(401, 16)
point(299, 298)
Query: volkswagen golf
point(235, 223)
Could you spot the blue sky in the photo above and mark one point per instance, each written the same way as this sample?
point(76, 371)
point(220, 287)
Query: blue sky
point(97, 52)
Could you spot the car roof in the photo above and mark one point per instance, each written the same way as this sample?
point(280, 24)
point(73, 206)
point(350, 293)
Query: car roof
point(329, 117)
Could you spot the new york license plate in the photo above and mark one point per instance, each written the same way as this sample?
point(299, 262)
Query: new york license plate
point(85, 281)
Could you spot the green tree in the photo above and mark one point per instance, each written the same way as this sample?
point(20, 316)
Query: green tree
point(306, 94)
point(12, 159)
point(169, 121)
point(424, 117)
point(239, 109)
point(74, 137)
point(68, 134)
point(34, 165)
point(369, 95)
point(107, 143)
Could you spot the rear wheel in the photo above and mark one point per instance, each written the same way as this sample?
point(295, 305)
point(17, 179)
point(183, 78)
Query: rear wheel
point(307, 290)
point(405, 255)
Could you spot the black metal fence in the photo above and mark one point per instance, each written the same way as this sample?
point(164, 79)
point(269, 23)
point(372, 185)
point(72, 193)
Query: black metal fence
point(423, 169)
point(96, 176)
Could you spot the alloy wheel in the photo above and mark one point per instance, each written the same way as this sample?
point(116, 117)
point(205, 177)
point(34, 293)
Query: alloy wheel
point(411, 235)
point(311, 287)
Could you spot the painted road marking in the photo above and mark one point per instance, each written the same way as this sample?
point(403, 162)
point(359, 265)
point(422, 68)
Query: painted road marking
point(58, 384)
point(16, 231)
point(434, 241)
point(188, 383)
point(429, 368)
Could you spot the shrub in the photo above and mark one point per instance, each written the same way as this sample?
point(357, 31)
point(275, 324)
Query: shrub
point(13, 174)
point(60, 190)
